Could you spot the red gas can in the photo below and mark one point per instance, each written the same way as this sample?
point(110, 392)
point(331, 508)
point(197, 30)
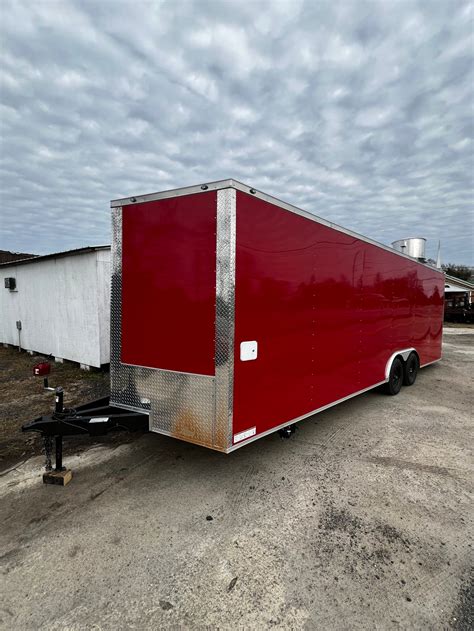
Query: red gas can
point(43, 368)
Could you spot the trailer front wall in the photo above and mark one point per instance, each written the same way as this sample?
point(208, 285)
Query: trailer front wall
point(327, 311)
point(165, 305)
point(169, 284)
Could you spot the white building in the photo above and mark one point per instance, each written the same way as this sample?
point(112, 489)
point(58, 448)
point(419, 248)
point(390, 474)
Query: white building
point(456, 287)
point(59, 304)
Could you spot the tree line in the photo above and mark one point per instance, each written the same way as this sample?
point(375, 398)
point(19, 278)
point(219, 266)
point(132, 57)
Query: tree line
point(459, 271)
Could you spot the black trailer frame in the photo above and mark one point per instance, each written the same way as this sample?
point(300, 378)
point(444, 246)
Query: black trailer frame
point(95, 418)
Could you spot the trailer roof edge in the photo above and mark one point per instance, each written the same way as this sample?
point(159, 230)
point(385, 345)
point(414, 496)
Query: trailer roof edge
point(173, 192)
point(240, 186)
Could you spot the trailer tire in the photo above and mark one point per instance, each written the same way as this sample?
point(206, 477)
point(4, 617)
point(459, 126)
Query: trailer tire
point(395, 377)
point(410, 369)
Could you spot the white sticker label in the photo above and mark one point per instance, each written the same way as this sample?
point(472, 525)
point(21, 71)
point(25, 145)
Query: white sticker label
point(243, 435)
point(99, 419)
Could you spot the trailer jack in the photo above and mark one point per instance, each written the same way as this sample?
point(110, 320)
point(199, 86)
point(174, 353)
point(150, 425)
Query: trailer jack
point(58, 475)
point(95, 418)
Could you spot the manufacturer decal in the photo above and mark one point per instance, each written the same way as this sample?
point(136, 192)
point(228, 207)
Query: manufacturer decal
point(246, 434)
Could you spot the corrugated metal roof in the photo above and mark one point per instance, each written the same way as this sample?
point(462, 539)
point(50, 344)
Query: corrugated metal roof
point(56, 255)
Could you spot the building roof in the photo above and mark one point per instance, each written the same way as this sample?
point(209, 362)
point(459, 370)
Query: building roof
point(450, 288)
point(6, 256)
point(464, 285)
point(56, 255)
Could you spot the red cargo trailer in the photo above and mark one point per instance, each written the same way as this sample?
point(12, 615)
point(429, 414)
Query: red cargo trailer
point(235, 314)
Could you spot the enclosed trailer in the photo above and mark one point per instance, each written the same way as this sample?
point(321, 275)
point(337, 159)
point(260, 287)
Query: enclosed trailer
point(234, 314)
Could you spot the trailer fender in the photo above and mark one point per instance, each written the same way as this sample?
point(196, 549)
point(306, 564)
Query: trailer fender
point(403, 354)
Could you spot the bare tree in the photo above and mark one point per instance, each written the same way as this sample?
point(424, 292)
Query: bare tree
point(459, 271)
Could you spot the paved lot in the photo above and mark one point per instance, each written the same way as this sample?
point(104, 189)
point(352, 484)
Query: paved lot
point(362, 520)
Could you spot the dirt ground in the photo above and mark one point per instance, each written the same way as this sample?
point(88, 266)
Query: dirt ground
point(362, 520)
point(22, 398)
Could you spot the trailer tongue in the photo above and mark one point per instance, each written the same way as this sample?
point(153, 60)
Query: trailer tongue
point(95, 418)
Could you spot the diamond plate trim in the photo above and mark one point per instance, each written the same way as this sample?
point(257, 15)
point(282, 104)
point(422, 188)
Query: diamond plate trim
point(179, 404)
point(225, 313)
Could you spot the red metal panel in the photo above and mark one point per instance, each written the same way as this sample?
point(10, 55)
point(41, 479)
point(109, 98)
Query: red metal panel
point(168, 283)
point(327, 311)
point(375, 314)
point(297, 286)
point(273, 305)
point(428, 315)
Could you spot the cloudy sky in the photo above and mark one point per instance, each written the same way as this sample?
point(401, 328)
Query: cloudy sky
point(359, 112)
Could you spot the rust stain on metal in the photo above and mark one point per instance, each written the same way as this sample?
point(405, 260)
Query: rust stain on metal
point(220, 437)
point(190, 427)
point(186, 425)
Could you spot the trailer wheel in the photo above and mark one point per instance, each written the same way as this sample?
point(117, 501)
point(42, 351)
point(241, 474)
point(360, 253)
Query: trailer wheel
point(395, 378)
point(410, 369)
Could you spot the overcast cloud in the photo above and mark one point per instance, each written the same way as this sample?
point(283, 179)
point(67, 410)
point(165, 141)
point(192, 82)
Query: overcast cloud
point(359, 112)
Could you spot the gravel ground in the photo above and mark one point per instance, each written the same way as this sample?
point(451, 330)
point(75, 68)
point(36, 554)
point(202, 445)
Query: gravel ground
point(362, 520)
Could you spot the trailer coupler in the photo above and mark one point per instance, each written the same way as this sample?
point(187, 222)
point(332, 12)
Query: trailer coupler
point(96, 418)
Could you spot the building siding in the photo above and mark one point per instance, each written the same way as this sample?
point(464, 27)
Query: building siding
point(63, 306)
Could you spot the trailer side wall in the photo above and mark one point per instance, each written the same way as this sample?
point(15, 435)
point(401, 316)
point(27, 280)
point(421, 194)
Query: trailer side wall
point(327, 311)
